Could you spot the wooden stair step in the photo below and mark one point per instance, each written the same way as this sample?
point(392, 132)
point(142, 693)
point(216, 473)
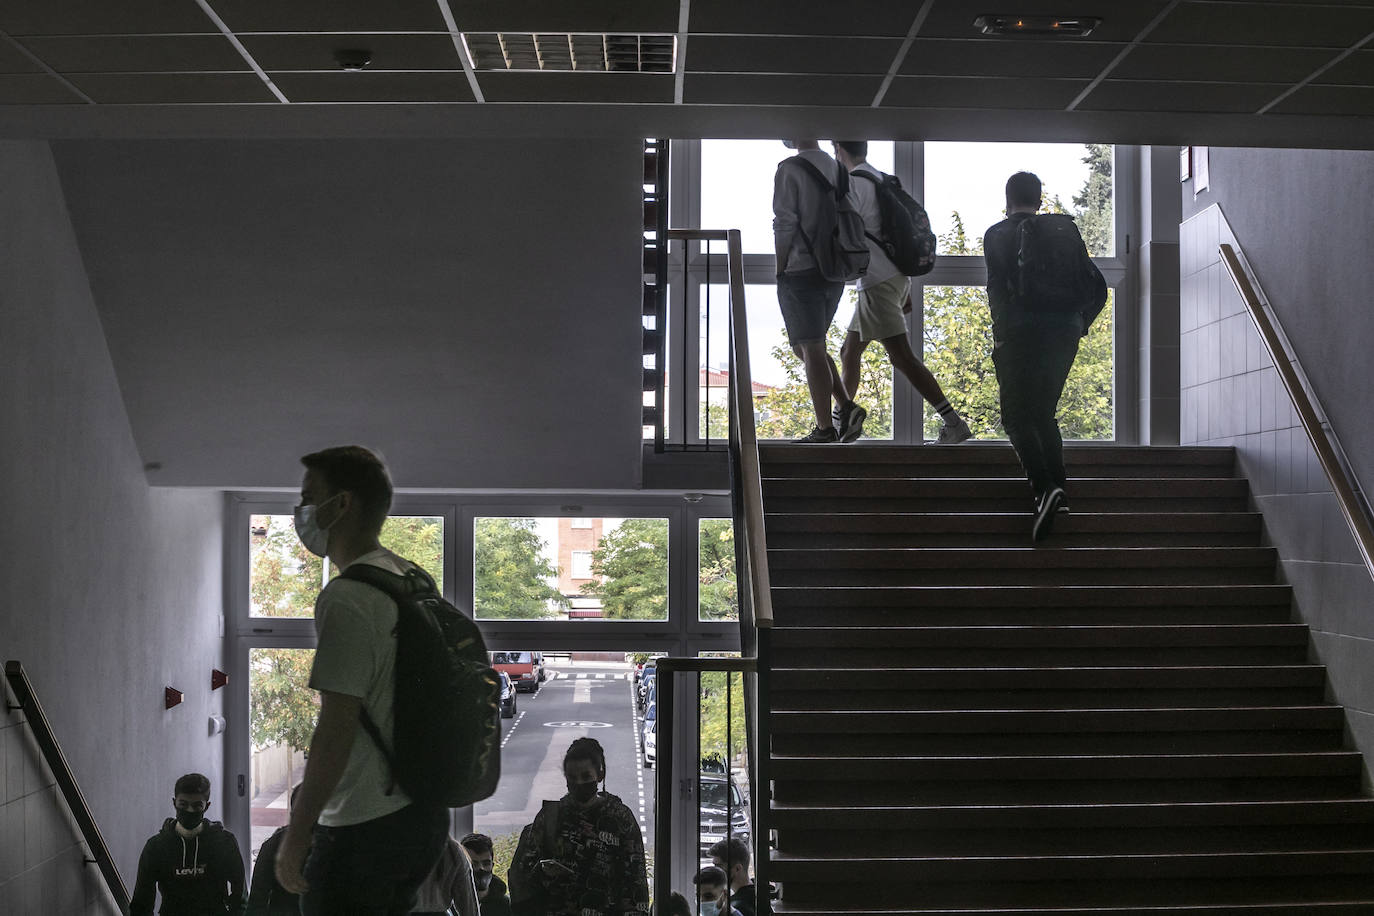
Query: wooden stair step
point(1364, 905)
point(1028, 678)
point(1266, 634)
point(1221, 458)
point(1259, 738)
point(979, 488)
point(1033, 596)
point(1049, 557)
point(975, 721)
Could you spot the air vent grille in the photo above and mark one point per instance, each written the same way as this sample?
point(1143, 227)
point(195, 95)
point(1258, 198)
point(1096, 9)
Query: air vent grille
point(576, 51)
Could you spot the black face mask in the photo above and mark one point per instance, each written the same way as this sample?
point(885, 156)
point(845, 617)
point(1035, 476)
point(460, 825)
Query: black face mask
point(482, 879)
point(189, 820)
point(582, 792)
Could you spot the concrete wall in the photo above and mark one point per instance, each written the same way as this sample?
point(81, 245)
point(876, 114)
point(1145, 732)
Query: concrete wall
point(109, 589)
point(1302, 220)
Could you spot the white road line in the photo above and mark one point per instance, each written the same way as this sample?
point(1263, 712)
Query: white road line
point(513, 726)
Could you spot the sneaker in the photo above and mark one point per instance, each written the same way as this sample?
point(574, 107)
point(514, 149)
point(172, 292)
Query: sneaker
point(1045, 513)
point(849, 422)
point(952, 433)
point(1063, 508)
point(820, 434)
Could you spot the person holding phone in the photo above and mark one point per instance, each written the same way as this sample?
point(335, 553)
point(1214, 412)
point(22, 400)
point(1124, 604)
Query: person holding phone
point(584, 852)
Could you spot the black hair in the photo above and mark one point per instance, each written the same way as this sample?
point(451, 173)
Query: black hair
point(291, 799)
point(192, 784)
point(1024, 190)
point(711, 874)
point(360, 472)
point(587, 749)
point(677, 905)
point(856, 148)
point(477, 843)
point(732, 849)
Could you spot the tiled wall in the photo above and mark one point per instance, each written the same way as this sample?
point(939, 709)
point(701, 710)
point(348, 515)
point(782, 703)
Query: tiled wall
point(1232, 395)
point(42, 867)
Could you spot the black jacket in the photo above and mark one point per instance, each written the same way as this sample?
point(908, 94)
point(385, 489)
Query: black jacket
point(497, 900)
point(1000, 244)
point(266, 897)
point(197, 876)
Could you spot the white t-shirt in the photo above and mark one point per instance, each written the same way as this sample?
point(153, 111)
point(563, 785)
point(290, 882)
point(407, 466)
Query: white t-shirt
point(864, 194)
point(356, 656)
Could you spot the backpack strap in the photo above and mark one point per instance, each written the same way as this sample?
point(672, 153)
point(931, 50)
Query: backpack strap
point(841, 188)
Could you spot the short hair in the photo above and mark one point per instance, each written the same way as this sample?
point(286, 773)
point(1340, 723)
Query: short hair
point(360, 472)
point(192, 784)
point(291, 799)
point(711, 874)
point(856, 148)
point(477, 843)
point(677, 905)
point(732, 849)
point(586, 749)
point(1024, 190)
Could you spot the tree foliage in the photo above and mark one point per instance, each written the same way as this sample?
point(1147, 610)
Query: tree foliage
point(719, 709)
point(631, 565)
point(511, 574)
point(717, 593)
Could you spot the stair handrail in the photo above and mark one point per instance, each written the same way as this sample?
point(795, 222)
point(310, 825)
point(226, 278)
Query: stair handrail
point(66, 781)
point(1345, 484)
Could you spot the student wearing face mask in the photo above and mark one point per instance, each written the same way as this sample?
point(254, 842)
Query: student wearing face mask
point(192, 862)
point(583, 853)
point(710, 884)
point(492, 896)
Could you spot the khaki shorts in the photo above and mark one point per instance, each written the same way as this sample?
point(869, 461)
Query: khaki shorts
point(878, 312)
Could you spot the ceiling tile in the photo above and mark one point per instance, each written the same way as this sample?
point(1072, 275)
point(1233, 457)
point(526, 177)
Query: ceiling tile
point(1220, 64)
point(768, 54)
point(172, 89)
point(330, 15)
point(12, 60)
point(1328, 100)
point(581, 16)
point(1355, 70)
point(1311, 25)
point(953, 92)
point(782, 17)
point(760, 89)
point(1121, 21)
point(606, 88)
point(35, 89)
point(1145, 95)
point(991, 57)
point(103, 17)
point(137, 54)
point(389, 52)
point(374, 87)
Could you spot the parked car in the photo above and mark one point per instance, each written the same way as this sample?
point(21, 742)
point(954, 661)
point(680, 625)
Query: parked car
point(526, 669)
point(648, 742)
point(647, 677)
point(508, 698)
point(721, 803)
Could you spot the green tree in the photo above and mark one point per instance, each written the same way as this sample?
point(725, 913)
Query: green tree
point(631, 563)
point(511, 573)
point(1092, 205)
point(717, 595)
point(718, 709)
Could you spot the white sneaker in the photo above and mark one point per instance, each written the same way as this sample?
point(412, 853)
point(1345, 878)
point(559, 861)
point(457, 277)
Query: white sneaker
point(952, 433)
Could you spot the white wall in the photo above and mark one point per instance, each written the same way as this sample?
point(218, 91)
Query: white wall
point(109, 589)
point(469, 307)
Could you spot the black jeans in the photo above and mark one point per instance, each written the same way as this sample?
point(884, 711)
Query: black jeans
point(1032, 367)
point(373, 868)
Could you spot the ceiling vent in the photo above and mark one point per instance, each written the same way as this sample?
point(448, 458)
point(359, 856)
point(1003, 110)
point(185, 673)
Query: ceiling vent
point(1039, 26)
point(564, 52)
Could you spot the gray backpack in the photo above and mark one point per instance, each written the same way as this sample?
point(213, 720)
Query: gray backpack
point(840, 248)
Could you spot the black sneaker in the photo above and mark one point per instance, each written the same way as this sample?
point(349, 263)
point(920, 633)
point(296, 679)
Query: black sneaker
point(849, 421)
point(1045, 513)
point(819, 434)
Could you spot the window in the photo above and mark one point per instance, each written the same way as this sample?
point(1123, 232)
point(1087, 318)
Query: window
point(717, 598)
point(581, 523)
point(282, 714)
point(581, 564)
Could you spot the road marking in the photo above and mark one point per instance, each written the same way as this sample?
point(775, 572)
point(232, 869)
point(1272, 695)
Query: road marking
point(639, 767)
point(577, 723)
point(582, 692)
point(513, 726)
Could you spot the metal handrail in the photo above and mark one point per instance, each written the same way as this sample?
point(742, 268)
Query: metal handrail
point(1342, 479)
point(62, 775)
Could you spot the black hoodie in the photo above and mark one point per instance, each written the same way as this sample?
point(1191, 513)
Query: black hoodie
point(197, 875)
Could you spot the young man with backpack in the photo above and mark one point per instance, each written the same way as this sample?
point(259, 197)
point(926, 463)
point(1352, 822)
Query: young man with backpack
point(1044, 292)
point(896, 229)
point(372, 843)
point(819, 245)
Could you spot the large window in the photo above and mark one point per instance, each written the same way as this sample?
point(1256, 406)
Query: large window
point(721, 184)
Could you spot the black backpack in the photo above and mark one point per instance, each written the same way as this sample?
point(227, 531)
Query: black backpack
point(448, 699)
point(906, 236)
point(839, 249)
point(1054, 272)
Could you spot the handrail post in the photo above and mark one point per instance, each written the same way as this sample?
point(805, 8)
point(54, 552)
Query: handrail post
point(663, 787)
point(66, 781)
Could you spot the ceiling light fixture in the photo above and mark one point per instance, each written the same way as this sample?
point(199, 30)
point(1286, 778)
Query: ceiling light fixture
point(353, 59)
point(1039, 26)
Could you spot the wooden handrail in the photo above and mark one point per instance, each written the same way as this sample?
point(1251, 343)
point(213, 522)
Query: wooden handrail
point(62, 775)
point(1341, 480)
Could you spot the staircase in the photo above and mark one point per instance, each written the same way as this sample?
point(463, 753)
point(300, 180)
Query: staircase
point(1121, 720)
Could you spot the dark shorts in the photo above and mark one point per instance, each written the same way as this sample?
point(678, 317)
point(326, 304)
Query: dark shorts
point(373, 868)
point(808, 302)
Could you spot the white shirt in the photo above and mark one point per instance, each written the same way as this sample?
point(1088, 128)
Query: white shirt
point(797, 200)
point(356, 656)
point(864, 194)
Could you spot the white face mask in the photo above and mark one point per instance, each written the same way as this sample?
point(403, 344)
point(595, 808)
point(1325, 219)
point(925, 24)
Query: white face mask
point(315, 538)
point(709, 908)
